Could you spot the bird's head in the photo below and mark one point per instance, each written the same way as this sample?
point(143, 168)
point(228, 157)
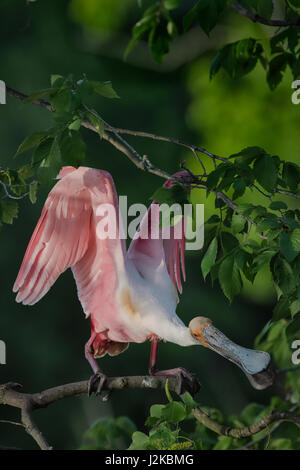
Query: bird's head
point(255, 364)
point(180, 174)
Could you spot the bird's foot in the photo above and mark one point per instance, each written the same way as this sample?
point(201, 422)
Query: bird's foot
point(96, 383)
point(186, 381)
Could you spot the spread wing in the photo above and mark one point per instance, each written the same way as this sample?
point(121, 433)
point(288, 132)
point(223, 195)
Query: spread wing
point(151, 251)
point(59, 240)
point(65, 236)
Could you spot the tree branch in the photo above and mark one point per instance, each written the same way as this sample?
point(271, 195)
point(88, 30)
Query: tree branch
point(142, 162)
point(27, 403)
point(247, 431)
point(260, 19)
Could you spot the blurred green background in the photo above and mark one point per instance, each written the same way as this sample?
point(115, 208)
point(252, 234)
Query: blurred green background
point(45, 343)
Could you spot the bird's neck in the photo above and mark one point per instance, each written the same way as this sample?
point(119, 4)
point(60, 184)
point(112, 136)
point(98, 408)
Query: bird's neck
point(180, 335)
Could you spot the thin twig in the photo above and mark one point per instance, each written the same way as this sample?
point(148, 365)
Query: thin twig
point(247, 431)
point(286, 193)
point(288, 369)
point(268, 433)
point(10, 196)
point(179, 142)
point(15, 423)
point(28, 403)
point(260, 19)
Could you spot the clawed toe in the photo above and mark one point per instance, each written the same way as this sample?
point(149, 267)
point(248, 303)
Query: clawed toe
point(96, 383)
point(187, 382)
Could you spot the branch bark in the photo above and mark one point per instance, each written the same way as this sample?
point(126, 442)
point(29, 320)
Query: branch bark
point(10, 395)
point(28, 403)
point(260, 19)
point(112, 135)
point(247, 431)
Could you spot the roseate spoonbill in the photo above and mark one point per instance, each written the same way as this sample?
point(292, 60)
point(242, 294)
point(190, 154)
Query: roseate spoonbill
point(131, 296)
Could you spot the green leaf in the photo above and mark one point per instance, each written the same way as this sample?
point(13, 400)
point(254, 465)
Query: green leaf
point(223, 443)
point(250, 413)
point(96, 122)
point(176, 194)
point(293, 327)
point(159, 41)
point(8, 211)
point(295, 307)
point(238, 58)
point(230, 277)
point(207, 12)
point(278, 205)
point(156, 411)
point(126, 425)
point(238, 223)
point(104, 89)
point(190, 17)
point(281, 444)
point(171, 4)
point(189, 402)
point(276, 68)
point(265, 8)
point(239, 186)
point(73, 148)
point(229, 241)
point(32, 192)
point(265, 172)
point(282, 274)
point(75, 125)
point(139, 441)
point(168, 394)
point(214, 219)
point(248, 154)
point(57, 80)
point(267, 223)
point(61, 103)
point(209, 258)
point(174, 412)
point(31, 141)
point(262, 259)
point(161, 437)
point(281, 309)
point(290, 244)
point(263, 332)
point(42, 151)
point(37, 95)
point(140, 28)
point(51, 164)
point(214, 177)
point(291, 175)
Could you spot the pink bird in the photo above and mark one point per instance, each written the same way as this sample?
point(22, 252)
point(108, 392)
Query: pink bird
point(131, 296)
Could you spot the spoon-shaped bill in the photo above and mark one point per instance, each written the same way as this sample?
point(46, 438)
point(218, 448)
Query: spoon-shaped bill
point(255, 364)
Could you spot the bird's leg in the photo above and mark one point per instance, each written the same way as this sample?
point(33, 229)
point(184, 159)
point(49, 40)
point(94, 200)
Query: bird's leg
point(98, 377)
point(185, 379)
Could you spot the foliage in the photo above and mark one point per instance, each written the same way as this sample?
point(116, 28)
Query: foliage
point(172, 426)
point(108, 433)
point(242, 239)
point(60, 145)
point(161, 24)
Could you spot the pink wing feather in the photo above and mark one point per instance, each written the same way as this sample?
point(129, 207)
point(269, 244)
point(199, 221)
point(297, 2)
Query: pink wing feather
point(154, 250)
point(59, 240)
point(159, 249)
point(65, 236)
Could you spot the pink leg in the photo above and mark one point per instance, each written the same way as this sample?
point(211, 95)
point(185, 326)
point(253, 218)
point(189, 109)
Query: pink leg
point(98, 376)
point(186, 380)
